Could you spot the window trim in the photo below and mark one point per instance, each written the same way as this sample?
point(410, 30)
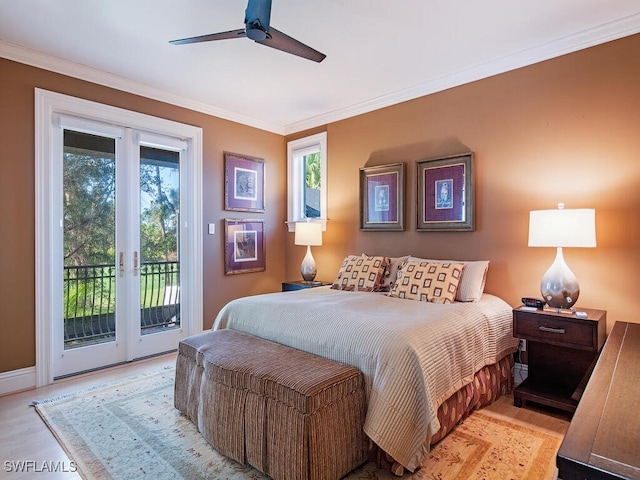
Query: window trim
point(295, 169)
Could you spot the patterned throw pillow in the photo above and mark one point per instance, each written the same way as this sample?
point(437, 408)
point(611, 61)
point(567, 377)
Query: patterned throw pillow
point(362, 273)
point(428, 282)
point(473, 278)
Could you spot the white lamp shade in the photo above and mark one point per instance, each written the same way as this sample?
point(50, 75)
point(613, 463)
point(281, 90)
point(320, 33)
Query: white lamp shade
point(308, 233)
point(562, 228)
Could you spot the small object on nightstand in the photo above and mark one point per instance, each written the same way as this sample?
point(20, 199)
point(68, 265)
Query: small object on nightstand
point(301, 285)
point(528, 309)
point(562, 350)
point(582, 315)
point(533, 302)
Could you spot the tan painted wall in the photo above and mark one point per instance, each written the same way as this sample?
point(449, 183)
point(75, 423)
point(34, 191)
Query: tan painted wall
point(566, 130)
point(17, 200)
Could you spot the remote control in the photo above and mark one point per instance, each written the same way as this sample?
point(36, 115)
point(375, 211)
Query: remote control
point(528, 309)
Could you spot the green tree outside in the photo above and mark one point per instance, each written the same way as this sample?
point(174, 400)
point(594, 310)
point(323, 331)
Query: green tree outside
point(89, 228)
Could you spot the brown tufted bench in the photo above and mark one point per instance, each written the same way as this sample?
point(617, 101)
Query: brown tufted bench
point(288, 413)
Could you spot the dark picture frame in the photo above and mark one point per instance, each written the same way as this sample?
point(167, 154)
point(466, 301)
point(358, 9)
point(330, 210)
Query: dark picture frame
point(382, 198)
point(244, 246)
point(445, 194)
point(243, 183)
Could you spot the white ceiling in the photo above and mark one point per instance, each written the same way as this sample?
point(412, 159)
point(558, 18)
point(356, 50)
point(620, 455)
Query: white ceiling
point(379, 52)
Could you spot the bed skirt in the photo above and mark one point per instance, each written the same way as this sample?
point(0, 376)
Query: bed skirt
point(488, 384)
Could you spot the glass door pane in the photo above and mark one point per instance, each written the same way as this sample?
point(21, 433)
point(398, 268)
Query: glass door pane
point(89, 294)
point(159, 240)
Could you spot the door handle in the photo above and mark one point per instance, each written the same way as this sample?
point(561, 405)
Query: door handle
point(136, 268)
point(121, 263)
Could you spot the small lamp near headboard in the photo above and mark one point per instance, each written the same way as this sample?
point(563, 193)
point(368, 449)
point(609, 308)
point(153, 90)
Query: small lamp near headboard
point(561, 228)
point(309, 234)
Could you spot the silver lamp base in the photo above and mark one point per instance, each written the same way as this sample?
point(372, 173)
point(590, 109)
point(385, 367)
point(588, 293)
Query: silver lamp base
point(559, 286)
point(308, 267)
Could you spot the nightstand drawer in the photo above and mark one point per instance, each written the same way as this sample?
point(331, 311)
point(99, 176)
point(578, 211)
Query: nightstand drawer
point(564, 331)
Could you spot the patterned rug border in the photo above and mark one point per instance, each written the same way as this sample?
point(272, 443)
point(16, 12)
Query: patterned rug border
point(101, 386)
point(521, 424)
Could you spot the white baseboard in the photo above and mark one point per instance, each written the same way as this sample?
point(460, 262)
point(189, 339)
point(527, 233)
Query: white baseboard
point(520, 372)
point(17, 380)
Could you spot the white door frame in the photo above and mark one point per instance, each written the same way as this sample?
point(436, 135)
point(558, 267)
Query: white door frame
point(48, 106)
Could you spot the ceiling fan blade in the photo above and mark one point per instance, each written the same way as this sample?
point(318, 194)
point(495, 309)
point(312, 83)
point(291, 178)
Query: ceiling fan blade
point(211, 37)
point(280, 41)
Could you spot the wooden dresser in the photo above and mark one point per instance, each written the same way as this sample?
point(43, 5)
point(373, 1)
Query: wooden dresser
point(603, 439)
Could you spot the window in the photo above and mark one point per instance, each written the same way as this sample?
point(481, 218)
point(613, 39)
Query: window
point(307, 180)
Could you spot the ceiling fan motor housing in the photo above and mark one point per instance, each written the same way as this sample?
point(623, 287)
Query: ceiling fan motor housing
point(256, 18)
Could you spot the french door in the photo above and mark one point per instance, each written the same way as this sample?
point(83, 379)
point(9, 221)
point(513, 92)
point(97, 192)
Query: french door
point(119, 288)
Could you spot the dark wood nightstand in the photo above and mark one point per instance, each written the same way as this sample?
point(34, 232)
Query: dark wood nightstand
point(562, 351)
point(301, 285)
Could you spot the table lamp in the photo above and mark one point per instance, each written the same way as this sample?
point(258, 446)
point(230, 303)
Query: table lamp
point(561, 228)
point(309, 234)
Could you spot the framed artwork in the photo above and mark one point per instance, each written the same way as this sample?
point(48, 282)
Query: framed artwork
point(445, 194)
point(382, 197)
point(243, 183)
point(244, 246)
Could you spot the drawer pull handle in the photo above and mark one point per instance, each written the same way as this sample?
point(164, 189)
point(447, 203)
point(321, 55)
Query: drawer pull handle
point(551, 330)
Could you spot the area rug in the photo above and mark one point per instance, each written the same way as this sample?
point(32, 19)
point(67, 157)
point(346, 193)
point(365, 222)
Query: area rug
point(130, 430)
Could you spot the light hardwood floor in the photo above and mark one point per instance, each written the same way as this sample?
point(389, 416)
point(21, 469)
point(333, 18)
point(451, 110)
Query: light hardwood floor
point(24, 437)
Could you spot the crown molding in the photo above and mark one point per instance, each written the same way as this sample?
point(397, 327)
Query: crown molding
point(561, 46)
point(33, 58)
point(614, 30)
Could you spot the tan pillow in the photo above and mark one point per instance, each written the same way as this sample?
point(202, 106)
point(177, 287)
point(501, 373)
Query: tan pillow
point(391, 273)
point(428, 282)
point(361, 273)
point(473, 278)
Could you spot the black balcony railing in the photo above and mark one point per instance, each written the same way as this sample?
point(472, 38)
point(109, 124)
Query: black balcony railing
point(159, 296)
point(90, 301)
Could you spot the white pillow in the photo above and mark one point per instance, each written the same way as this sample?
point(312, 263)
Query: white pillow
point(473, 278)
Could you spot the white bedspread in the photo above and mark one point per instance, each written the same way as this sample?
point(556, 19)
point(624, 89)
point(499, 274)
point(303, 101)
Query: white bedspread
point(413, 355)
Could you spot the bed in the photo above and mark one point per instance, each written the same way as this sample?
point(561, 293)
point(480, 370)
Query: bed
point(416, 356)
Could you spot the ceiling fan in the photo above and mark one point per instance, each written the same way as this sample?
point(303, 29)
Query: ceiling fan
point(257, 28)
